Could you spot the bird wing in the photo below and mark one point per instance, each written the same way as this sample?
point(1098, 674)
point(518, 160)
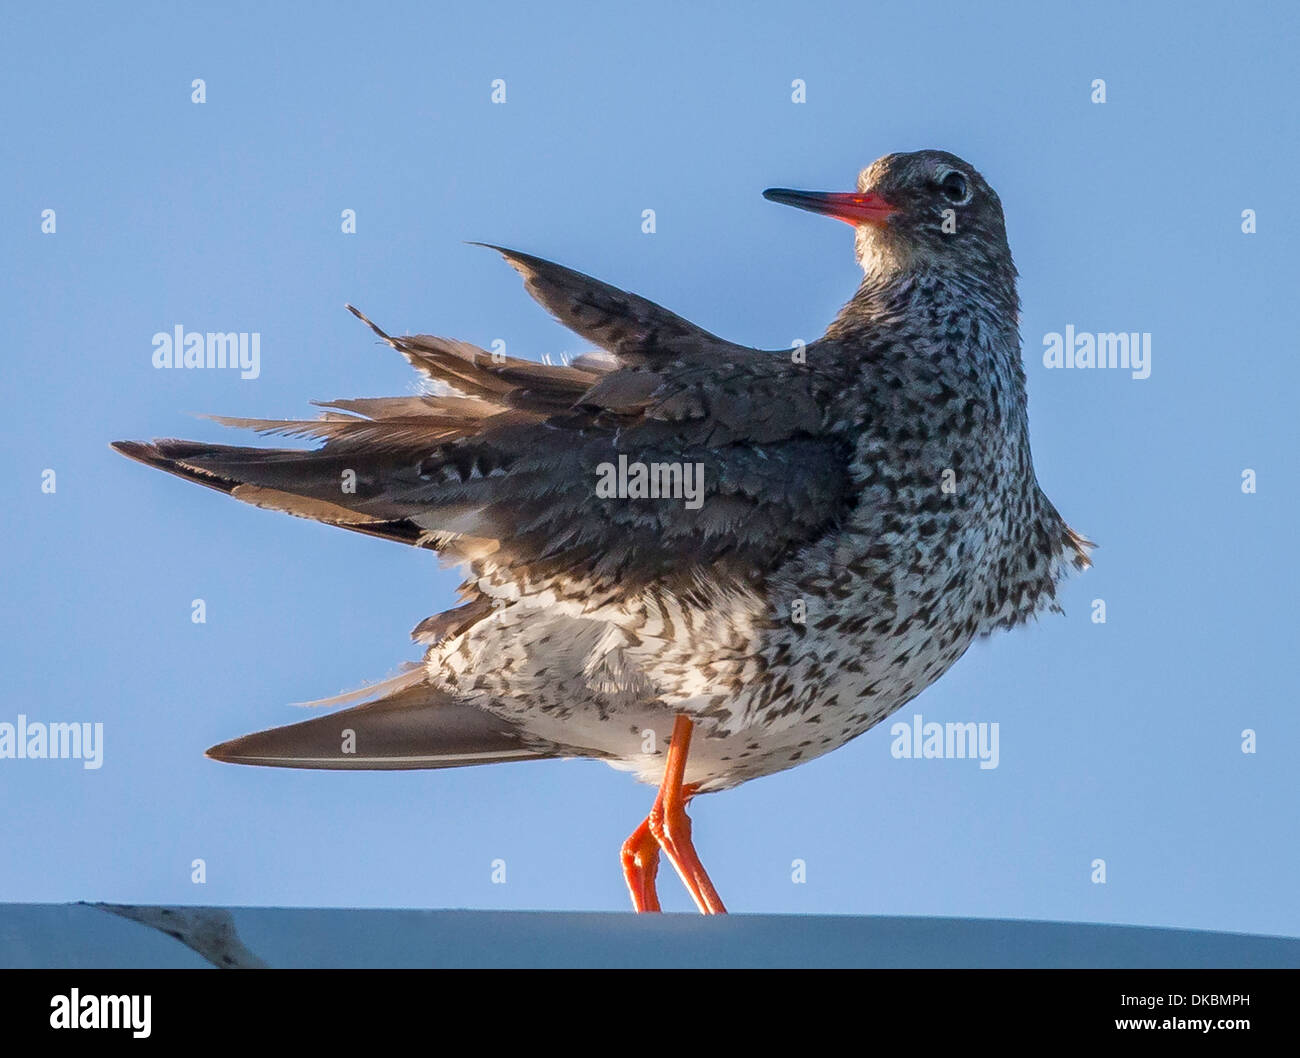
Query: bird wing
point(504, 462)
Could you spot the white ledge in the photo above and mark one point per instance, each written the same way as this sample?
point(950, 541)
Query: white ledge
point(116, 936)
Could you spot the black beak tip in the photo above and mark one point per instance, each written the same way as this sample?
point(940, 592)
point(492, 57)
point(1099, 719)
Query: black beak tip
point(223, 751)
point(785, 196)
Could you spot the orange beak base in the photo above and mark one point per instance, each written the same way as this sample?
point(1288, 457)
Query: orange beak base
point(852, 207)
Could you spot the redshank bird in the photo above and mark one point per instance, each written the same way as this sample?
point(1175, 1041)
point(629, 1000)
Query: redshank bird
point(697, 561)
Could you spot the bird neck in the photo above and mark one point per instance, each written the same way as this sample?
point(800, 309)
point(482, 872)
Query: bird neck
point(987, 295)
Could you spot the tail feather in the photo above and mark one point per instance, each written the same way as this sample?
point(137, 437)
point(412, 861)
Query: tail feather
point(414, 727)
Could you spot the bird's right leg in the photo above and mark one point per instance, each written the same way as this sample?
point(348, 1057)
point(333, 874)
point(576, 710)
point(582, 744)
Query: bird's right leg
point(671, 826)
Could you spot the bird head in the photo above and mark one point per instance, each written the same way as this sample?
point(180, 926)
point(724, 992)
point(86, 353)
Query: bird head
point(916, 210)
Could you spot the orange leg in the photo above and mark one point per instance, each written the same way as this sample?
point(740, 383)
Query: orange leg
point(640, 865)
point(670, 827)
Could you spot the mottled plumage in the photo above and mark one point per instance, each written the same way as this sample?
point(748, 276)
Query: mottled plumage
point(868, 509)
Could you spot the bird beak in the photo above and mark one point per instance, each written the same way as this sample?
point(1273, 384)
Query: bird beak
point(852, 207)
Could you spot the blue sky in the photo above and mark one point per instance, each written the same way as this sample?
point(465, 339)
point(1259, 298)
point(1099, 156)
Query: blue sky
point(1118, 741)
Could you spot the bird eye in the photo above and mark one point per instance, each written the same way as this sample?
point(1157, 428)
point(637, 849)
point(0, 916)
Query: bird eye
point(954, 187)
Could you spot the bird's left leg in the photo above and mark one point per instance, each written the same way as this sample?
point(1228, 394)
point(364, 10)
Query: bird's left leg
point(640, 865)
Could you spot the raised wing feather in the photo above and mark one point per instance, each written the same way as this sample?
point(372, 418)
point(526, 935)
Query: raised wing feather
point(635, 330)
